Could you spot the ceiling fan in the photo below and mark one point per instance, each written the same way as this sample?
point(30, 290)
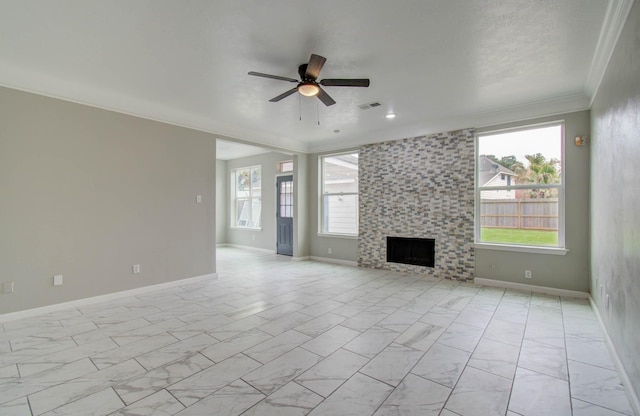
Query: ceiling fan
point(308, 84)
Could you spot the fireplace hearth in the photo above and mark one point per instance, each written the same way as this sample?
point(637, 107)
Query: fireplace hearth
point(416, 251)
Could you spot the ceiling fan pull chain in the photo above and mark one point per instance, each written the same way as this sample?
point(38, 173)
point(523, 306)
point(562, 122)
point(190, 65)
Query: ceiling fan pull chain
point(299, 107)
point(318, 112)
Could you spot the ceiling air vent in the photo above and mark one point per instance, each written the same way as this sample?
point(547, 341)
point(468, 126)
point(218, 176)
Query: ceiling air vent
point(370, 105)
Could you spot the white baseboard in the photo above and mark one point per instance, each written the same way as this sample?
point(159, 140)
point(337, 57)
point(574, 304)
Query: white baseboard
point(626, 381)
point(531, 288)
point(261, 250)
point(334, 261)
point(301, 258)
point(27, 313)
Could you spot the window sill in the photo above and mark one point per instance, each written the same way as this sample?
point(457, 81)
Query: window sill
point(233, 227)
point(556, 251)
point(345, 236)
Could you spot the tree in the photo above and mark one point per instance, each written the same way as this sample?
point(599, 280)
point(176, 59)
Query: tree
point(540, 171)
point(509, 162)
point(491, 157)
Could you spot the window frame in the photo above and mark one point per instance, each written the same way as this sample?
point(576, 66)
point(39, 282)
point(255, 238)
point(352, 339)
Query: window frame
point(560, 249)
point(251, 198)
point(322, 194)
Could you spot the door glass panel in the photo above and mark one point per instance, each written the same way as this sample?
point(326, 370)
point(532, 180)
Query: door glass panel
point(286, 199)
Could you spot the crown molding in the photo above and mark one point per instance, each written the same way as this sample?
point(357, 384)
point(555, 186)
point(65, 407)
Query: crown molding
point(508, 114)
point(614, 20)
point(147, 111)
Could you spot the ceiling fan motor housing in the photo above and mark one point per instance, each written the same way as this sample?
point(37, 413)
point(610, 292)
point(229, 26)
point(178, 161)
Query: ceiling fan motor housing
point(302, 71)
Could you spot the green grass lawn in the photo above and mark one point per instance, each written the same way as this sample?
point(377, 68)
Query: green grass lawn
point(528, 237)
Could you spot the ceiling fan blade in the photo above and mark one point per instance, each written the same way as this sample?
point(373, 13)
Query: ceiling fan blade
point(284, 95)
point(260, 74)
point(325, 98)
point(316, 62)
point(362, 82)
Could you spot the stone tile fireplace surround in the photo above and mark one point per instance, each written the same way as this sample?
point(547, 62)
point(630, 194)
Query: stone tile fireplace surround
point(420, 187)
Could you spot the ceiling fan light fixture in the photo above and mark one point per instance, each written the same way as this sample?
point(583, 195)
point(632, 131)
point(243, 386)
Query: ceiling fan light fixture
point(308, 90)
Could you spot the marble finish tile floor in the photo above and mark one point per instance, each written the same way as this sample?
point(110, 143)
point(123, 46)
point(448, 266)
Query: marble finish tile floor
point(276, 337)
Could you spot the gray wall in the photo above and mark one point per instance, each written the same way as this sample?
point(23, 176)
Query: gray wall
point(301, 211)
point(87, 193)
point(342, 248)
point(569, 272)
point(615, 197)
point(266, 237)
point(222, 201)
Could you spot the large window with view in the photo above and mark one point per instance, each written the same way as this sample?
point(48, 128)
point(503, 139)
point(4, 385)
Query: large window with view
point(247, 188)
point(520, 187)
point(339, 194)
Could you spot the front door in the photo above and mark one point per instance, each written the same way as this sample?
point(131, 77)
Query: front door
point(284, 214)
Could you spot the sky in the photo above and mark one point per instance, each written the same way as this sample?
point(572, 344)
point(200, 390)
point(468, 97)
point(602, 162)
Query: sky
point(546, 140)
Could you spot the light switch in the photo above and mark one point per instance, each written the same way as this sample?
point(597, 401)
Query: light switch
point(198, 199)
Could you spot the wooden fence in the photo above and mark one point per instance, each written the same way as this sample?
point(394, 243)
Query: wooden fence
point(525, 214)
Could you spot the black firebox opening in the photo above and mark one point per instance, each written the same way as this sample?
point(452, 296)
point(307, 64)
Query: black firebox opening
point(417, 251)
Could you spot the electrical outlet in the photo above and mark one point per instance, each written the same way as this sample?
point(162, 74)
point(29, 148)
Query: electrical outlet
point(136, 268)
point(329, 250)
point(527, 274)
point(198, 199)
point(57, 280)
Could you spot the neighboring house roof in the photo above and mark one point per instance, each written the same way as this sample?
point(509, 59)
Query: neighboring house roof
point(488, 169)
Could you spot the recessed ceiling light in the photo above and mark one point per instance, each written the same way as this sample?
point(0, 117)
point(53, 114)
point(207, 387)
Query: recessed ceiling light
point(390, 116)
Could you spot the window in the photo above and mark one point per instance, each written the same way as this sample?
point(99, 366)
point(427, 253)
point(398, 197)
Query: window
point(520, 187)
point(285, 166)
point(339, 194)
point(247, 192)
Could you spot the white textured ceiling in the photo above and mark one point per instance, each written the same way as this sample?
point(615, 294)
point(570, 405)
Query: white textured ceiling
point(438, 64)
